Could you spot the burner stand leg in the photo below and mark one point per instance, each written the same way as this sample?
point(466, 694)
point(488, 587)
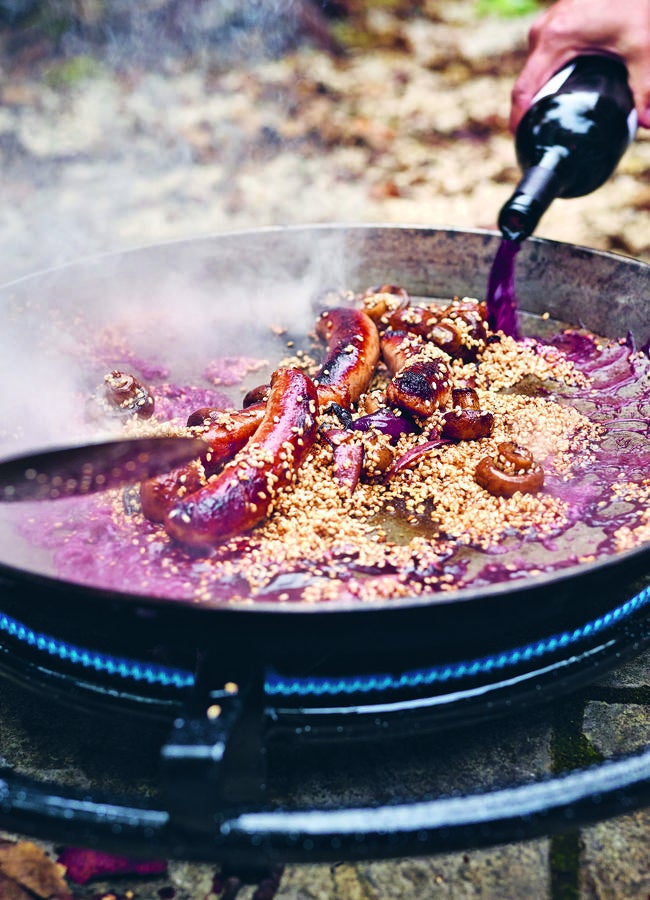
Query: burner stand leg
point(215, 758)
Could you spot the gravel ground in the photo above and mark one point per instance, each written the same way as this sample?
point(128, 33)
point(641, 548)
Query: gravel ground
point(104, 150)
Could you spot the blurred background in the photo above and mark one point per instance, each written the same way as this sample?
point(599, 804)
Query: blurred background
point(125, 123)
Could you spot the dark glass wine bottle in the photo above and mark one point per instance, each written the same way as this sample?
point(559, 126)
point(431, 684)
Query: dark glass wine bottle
point(570, 140)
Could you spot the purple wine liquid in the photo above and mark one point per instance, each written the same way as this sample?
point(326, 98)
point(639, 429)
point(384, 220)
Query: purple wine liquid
point(104, 541)
point(501, 297)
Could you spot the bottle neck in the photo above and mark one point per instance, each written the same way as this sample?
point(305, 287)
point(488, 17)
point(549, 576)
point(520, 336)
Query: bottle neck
point(539, 186)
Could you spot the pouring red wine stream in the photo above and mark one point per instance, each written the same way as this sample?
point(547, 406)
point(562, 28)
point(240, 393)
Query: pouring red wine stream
point(501, 297)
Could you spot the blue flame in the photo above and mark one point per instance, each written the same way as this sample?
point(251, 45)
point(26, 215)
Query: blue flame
point(278, 685)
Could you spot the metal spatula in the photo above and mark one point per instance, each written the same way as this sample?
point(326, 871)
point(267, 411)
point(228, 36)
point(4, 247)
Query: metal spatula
point(85, 469)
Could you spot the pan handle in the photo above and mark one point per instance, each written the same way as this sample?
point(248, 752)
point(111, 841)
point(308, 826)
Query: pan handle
point(252, 837)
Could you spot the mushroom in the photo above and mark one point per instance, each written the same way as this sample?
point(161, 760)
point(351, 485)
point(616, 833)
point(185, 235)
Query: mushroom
point(466, 422)
point(514, 469)
point(124, 395)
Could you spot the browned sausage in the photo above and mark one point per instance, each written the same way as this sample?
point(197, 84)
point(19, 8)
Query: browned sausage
point(225, 432)
point(242, 495)
point(421, 380)
point(158, 495)
point(352, 353)
point(380, 303)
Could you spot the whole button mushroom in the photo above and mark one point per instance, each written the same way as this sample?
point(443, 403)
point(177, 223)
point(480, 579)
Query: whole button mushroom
point(514, 469)
point(466, 421)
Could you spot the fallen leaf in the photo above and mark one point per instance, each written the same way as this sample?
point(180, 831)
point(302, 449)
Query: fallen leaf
point(28, 867)
point(85, 865)
point(11, 890)
point(384, 189)
point(641, 199)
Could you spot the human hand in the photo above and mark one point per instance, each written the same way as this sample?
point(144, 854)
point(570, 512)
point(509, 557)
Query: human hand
point(572, 28)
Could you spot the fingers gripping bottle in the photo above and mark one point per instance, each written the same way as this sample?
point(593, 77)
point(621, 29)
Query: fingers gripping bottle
point(570, 140)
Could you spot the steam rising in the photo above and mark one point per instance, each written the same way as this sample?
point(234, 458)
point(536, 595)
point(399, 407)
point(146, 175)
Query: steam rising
point(101, 140)
point(225, 32)
point(182, 306)
point(175, 308)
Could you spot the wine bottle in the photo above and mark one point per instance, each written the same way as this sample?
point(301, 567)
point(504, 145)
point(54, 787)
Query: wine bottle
point(570, 140)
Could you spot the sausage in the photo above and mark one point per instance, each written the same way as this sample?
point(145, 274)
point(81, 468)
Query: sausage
point(380, 303)
point(158, 495)
point(242, 495)
point(421, 380)
point(259, 394)
point(225, 432)
point(352, 353)
point(398, 347)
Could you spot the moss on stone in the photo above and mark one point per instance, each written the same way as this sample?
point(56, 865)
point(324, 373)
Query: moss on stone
point(70, 72)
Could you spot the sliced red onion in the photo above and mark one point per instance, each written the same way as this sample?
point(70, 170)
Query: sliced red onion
point(609, 366)
point(411, 456)
point(347, 458)
point(335, 436)
point(347, 462)
point(387, 422)
point(342, 414)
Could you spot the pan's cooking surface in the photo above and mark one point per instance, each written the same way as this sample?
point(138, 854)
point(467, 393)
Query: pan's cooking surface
point(199, 315)
point(591, 507)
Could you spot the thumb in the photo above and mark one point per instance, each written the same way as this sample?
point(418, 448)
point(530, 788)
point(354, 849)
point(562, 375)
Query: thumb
point(639, 78)
point(520, 101)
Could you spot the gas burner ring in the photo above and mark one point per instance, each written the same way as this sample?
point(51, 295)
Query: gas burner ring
point(442, 689)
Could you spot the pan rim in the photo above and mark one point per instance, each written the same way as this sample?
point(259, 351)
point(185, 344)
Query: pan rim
point(446, 599)
point(323, 228)
point(443, 599)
